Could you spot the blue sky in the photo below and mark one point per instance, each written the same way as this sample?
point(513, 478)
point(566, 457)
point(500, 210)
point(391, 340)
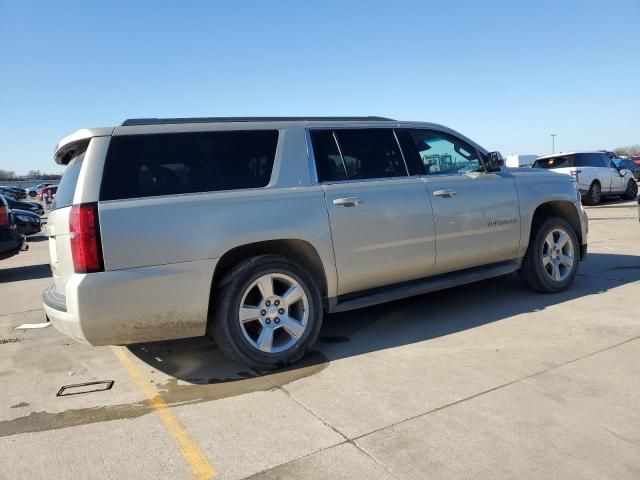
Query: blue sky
point(506, 74)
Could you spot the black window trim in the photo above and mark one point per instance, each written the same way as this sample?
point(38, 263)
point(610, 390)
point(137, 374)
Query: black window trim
point(314, 167)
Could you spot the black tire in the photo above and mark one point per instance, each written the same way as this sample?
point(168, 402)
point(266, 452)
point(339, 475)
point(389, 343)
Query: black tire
point(224, 324)
point(594, 195)
point(533, 272)
point(632, 190)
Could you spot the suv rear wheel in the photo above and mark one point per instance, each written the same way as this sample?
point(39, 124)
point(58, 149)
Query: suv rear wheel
point(267, 312)
point(594, 195)
point(632, 190)
point(551, 261)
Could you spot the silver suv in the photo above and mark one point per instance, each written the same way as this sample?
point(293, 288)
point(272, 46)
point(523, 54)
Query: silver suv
point(250, 229)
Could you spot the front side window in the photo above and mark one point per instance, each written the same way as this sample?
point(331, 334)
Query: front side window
point(444, 154)
point(175, 163)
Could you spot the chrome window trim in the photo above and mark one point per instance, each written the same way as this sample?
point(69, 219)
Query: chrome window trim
point(344, 165)
point(404, 160)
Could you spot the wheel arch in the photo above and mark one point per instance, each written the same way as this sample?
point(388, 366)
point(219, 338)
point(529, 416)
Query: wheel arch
point(558, 208)
point(300, 251)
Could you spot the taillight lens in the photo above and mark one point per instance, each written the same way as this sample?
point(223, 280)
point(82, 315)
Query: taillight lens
point(4, 215)
point(576, 175)
point(84, 230)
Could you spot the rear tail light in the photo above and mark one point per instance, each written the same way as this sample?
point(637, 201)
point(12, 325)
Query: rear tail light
point(4, 215)
point(575, 175)
point(84, 230)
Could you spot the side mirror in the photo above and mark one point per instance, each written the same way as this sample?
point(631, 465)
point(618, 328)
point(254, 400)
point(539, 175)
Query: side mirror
point(494, 161)
point(623, 172)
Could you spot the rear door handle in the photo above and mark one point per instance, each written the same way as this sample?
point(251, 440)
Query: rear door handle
point(347, 201)
point(446, 193)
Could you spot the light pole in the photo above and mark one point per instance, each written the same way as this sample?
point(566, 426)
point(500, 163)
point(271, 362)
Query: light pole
point(553, 143)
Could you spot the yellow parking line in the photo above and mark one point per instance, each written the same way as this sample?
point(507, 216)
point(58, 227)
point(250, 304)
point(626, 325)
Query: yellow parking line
point(190, 450)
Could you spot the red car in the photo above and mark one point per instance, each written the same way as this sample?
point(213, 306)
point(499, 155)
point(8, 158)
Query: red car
point(50, 191)
point(636, 160)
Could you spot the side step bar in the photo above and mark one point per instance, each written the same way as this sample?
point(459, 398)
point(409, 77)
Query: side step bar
point(375, 296)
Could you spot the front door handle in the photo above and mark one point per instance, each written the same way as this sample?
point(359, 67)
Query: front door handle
point(347, 201)
point(446, 193)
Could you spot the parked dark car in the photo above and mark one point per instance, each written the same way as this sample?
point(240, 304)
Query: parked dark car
point(28, 222)
point(11, 240)
point(25, 205)
point(15, 192)
point(628, 164)
point(8, 192)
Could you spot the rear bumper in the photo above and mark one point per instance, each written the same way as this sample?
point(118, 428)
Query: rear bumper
point(135, 305)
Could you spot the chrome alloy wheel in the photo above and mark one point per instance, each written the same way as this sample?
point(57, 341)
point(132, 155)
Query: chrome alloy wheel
point(274, 313)
point(558, 254)
point(597, 193)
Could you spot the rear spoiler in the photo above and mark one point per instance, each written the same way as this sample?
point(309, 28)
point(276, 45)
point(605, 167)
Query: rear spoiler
point(77, 140)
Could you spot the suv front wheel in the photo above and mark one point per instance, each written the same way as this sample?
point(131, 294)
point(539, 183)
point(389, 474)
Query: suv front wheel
point(551, 261)
point(266, 312)
point(632, 190)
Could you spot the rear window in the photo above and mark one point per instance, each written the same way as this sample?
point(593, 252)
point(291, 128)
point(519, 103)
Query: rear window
point(67, 186)
point(174, 163)
point(555, 162)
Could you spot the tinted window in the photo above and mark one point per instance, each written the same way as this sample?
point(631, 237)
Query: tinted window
point(411, 154)
point(555, 162)
point(370, 153)
point(165, 164)
point(444, 154)
point(329, 164)
point(67, 186)
point(591, 160)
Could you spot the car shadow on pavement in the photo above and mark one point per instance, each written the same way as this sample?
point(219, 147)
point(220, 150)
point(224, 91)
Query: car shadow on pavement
point(37, 238)
point(194, 362)
point(27, 272)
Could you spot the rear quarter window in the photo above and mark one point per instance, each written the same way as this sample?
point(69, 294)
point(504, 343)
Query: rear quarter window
point(67, 186)
point(175, 163)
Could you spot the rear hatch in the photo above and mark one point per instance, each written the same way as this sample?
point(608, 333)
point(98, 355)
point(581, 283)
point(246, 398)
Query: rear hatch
point(58, 219)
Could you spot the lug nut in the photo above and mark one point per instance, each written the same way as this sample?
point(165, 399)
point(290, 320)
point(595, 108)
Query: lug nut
point(276, 303)
point(267, 321)
point(263, 312)
point(277, 320)
point(281, 311)
point(267, 303)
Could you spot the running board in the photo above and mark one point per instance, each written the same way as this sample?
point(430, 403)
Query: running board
point(398, 291)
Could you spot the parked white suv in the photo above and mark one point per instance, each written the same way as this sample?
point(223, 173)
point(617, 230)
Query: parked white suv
point(595, 173)
point(249, 230)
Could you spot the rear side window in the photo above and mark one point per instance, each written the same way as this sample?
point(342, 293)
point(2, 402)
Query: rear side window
point(174, 163)
point(555, 162)
point(370, 153)
point(67, 187)
point(361, 153)
point(327, 156)
point(591, 160)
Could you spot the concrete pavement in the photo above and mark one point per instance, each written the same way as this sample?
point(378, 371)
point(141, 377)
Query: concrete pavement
point(485, 380)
